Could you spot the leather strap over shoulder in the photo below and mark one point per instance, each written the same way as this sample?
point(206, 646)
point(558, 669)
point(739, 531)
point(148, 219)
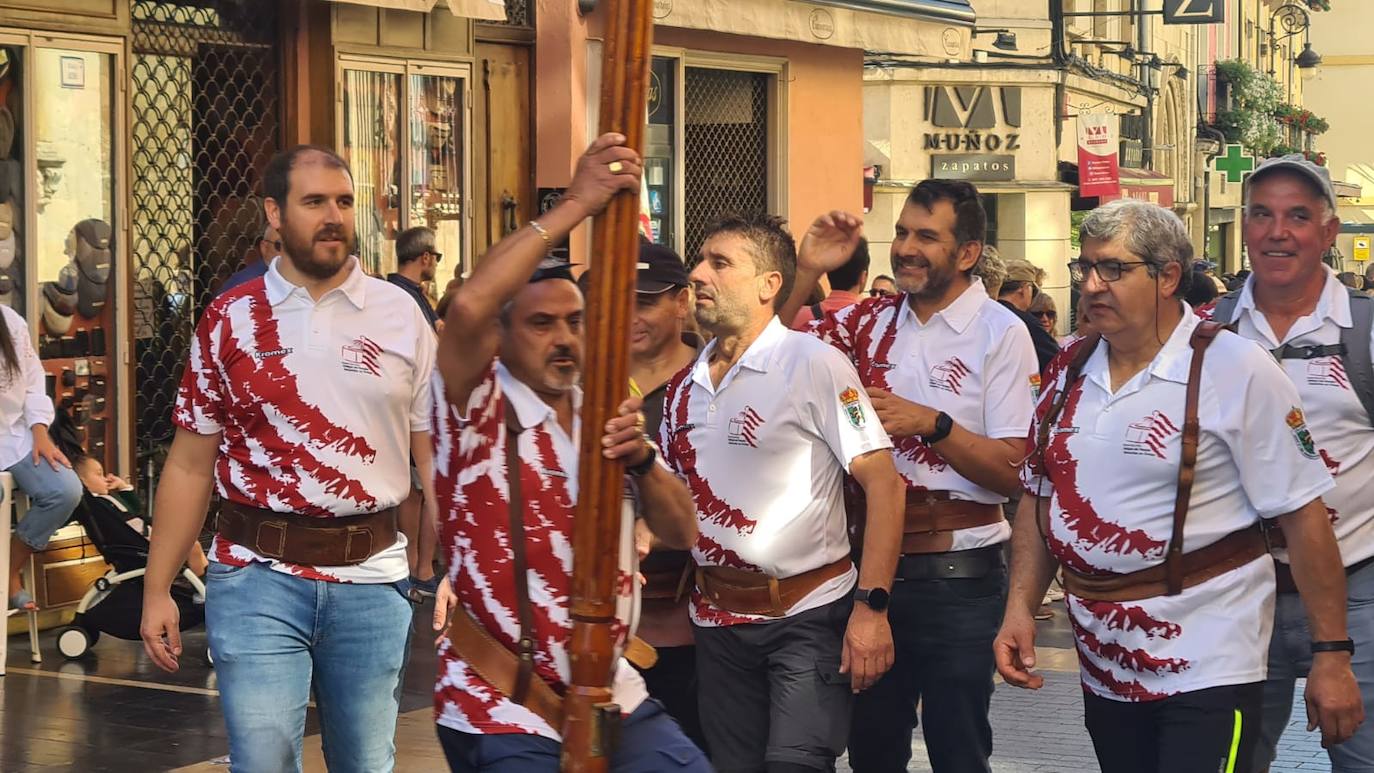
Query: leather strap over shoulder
point(1203, 336)
point(520, 567)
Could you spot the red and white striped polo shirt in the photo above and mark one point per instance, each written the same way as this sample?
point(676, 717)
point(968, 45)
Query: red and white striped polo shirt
point(314, 402)
point(974, 360)
point(470, 484)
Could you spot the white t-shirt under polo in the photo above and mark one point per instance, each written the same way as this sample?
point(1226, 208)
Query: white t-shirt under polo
point(764, 455)
point(1340, 425)
point(974, 360)
point(316, 401)
point(1111, 476)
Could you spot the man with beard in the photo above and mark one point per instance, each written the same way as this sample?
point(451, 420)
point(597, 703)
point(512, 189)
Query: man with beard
point(506, 435)
point(307, 392)
point(660, 347)
point(1161, 446)
point(763, 428)
point(952, 375)
point(1294, 306)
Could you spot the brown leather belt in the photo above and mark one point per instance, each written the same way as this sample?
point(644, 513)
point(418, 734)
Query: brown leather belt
point(755, 593)
point(308, 540)
point(928, 513)
point(501, 668)
point(1230, 552)
point(667, 575)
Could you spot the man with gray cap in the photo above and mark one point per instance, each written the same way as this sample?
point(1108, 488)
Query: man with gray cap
point(1294, 306)
point(1018, 290)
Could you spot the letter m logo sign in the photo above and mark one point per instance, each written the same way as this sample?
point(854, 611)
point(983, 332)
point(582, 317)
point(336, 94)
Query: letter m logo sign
point(1194, 11)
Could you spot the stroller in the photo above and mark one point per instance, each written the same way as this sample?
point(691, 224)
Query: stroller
point(114, 603)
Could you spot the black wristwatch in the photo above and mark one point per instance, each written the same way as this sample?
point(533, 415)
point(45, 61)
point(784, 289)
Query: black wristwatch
point(644, 467)
point(1342, 645)
point(943, 426)
point(875, 598)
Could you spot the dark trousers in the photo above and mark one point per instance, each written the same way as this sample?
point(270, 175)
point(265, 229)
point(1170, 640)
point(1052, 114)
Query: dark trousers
point(650, 742)
point(772, 695)
point(1203, 731)
point(943, 632)
point(673, 682)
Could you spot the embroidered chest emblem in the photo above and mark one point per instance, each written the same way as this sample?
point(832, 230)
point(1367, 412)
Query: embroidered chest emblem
point(362, 356)
point(1327, 371)
point(1148, 436)
point(744, 428)
point(949, 375)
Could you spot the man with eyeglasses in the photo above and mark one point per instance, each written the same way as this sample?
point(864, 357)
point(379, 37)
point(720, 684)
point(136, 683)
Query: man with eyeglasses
point(951, 374)
point(1295, 306)
point(1160, 447)
point(417, 262)
point(883, 287)
point(256, 261)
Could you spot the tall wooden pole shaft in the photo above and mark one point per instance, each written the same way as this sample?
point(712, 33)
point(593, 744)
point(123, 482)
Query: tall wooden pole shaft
point(596, 532)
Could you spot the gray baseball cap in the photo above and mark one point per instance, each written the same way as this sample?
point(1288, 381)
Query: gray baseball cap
point(1319, 176)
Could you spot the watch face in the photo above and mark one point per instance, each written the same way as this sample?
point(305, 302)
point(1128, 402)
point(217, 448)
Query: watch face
point(876, 598)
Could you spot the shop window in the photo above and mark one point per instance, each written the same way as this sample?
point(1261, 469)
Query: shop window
point(660, 173)
point(726, 139)
point(410, 164)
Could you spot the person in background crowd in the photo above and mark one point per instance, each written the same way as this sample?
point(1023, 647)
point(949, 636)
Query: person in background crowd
point(1083, 326)
point(257, 260)
point(122, 496)
point(306, 430)
point(506, 438)
point(1351, 279)
point(1198, 289)
point(1016, 293)
point(418, 262)
point(952, 375)
point(1369, 280)
point(1150, 487)
point(1295, 307)
point(846, 285)
point(1045, 313)
point(660, 347)
point(882, 285)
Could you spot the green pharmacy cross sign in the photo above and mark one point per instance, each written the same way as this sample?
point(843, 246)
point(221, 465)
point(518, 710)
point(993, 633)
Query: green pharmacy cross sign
point(1234, 163)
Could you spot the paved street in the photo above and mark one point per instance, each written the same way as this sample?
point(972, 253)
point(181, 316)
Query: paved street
point(114, 712)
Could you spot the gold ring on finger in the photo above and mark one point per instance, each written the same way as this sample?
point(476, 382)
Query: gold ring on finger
point(616, 167)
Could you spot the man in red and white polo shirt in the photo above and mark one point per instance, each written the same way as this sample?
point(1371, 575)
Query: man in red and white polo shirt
point(763, 427)
point(307, 393)
point(1294, 306)
point(509, 366)
point(1131, 482)
point(951, 373)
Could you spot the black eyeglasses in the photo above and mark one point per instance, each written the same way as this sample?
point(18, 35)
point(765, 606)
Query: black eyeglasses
point(1043, 314)
point(1107, 270)
point(875, 292)
point(438, 256)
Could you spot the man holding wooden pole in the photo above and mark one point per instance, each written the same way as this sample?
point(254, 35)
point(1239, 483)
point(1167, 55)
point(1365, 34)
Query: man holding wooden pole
point(510, 363)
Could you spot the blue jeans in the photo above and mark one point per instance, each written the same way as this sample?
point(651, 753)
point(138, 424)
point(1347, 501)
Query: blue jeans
point(1290, 658)
point(650, 742)
point(53, 495)
point(272, 634)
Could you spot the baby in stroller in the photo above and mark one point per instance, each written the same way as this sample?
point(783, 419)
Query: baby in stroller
point(109, 513)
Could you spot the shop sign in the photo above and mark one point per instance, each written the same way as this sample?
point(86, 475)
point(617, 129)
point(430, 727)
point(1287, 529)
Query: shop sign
point(972, 166)
point(1194, 11)
point(1362, 246)
point(1098, 171)
point(975, 118)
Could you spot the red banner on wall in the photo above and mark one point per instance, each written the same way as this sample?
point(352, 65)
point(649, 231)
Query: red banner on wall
point(1098, 141)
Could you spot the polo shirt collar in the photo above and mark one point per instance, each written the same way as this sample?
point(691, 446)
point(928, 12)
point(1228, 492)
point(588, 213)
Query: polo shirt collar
point(758, 357)
point(1171, 363)
point(279, 289)
point(958, 314)
point(1333, 304)
point(530, 410)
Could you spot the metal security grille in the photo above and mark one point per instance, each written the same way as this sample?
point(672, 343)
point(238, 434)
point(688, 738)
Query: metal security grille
point(518, 14)
point(206, 119)
point(725, 159)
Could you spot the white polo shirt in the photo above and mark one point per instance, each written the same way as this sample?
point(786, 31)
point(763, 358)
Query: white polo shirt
point(1111, 475)
point(1340, 425)
point(473, 494)
point(315, 401)
point(973, 359)
point(764, 455)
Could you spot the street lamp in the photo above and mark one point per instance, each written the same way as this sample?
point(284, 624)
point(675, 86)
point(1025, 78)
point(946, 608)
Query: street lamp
point(1308, 59)
point(1293, 19)
point(1005, 41)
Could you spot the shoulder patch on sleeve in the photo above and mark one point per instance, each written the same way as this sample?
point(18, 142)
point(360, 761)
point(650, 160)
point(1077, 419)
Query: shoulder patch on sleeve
point(853, 407)
point(1298, 424)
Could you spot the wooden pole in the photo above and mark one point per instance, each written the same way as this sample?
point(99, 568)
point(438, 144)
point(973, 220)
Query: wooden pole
point(590, 715)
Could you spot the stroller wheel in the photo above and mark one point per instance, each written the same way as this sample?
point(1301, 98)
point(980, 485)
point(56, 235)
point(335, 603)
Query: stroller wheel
point(102, 584)
point(74, 641)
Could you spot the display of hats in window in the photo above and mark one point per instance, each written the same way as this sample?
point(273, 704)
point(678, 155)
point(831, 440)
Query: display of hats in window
point(6, 132)
point(59, 301)
point(9, 250)
point(91, 249)
point(9, 291)
point(11, 181)
point(7, 214)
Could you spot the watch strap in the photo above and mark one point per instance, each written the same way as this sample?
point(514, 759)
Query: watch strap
point(944, 424)
point(644, 467)
point(1341, 645)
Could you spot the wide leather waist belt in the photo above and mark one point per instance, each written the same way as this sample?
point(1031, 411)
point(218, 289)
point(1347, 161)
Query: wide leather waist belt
point(667, 575)
point(1230, 552)
point(307, 540)
point(953, 565)
point(755, 593)
point(927, 514)
point(1283, 574)
point(501, 668)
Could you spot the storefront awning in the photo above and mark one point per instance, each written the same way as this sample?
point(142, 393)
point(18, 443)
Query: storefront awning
point(1146, 185)
point(491, 10)
point(934, 28)
point(1345, 190)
